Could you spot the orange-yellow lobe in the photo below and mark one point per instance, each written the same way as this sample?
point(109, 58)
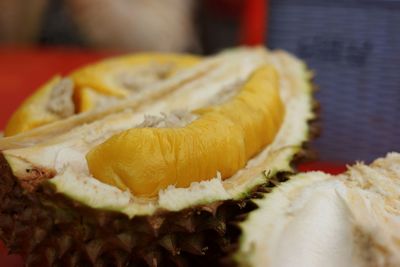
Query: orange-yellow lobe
point(114, 76)
point(32, 113)
point(98, 84)
point(222, 139)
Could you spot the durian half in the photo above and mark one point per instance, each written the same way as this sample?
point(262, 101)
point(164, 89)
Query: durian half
point(155, 178)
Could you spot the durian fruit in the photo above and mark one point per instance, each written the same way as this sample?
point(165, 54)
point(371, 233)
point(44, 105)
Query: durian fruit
point(316, 219)
point(95, 86)
point(156, 179)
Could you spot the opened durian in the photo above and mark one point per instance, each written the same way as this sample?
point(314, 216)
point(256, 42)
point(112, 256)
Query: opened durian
point(154, 178)
point(316, 219)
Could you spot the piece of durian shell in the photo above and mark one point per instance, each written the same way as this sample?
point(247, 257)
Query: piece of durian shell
point(316, 219)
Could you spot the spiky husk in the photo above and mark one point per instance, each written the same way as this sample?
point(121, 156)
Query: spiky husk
point(49, 229)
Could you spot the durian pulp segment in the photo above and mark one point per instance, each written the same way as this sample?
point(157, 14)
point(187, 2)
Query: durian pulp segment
point(147, 160)
point(95, 86)
point(134, 101)
point(351, 220)
point(124, 75)
point(66, 152)
point(33, 111)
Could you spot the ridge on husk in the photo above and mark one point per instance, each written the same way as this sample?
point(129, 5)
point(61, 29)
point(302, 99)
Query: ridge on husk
point(316, 219)
point(54, 214)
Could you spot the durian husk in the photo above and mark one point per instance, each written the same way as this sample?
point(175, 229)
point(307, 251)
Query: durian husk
point(49, 229)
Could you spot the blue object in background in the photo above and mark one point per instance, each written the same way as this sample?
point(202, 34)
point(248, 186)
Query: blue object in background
point(354, 48)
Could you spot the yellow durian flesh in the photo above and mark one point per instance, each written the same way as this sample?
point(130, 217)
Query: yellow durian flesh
point(222, 139)
point(104, 77)
point(33, 111)
point(95, 85)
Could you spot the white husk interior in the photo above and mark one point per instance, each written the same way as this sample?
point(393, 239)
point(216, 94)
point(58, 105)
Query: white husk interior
point(351, 220)
point(67, 155)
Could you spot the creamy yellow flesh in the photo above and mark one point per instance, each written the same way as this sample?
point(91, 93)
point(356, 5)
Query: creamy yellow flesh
point(97, 85)
point(118, 76)
point(223, 139)
point(30, 114)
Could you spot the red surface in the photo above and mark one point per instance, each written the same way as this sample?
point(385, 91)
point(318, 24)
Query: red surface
point(332, 168)
point(23, 70)
point(253, 16)
point(254, 22)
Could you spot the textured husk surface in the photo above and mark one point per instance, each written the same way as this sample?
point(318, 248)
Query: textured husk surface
point(48, 229)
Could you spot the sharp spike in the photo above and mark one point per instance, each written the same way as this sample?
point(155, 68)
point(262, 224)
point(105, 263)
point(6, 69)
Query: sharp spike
point(152, 257)
point(37, 237)
point(212, 208)
point(155, 223)
point(94, 249)
point(127, 240)
point(186, 223)
point(241, 204)
point(214, 224)
point(193, 244)
point(264, 189)
point(257, 195)
point(169, 243)
point(64, 243)
point(51, 256)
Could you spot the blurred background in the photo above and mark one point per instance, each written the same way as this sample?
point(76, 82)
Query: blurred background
point(352, 45)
